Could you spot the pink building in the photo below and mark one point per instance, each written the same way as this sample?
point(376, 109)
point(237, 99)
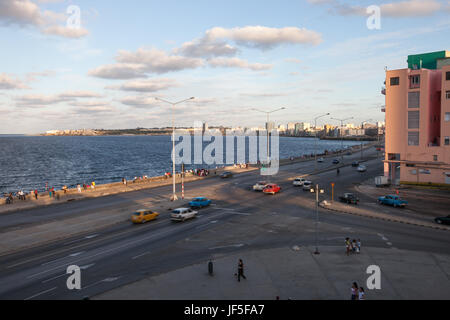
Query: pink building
point(418, 120)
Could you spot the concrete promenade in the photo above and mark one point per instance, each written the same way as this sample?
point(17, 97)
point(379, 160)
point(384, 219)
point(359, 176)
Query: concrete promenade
point(298, 274)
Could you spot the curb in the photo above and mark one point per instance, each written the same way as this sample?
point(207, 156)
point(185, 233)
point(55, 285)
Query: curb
point(437, 227)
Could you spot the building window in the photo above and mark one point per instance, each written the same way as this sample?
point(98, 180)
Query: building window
point(447, 141)
point(447, 94)
point(447, 75)
point(413, 99)
point(413, 138)
point(447, 116)
point(413, 119)
point(415, 81)
point(395, 81)
point(435, 158)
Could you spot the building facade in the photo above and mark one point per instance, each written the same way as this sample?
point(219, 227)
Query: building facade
point(418, 120)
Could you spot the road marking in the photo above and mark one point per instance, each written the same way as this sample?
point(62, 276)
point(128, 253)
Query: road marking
point(41, 293)
point(231, 246)
point(54, 278)
point(101, 281)
point(141, 255)
point(389, 244)
point(69, 256)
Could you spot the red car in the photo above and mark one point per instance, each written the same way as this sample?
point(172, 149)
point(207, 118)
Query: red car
point(272, 189)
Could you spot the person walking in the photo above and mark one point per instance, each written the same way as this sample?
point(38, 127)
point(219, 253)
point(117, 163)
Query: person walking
point(241, 270)
point(79, 188)
point(354, 246)
point(36, 194)
point(347, 246)
point(354, 291)
point(358, 246)
point(361, 294)
point(93, 185)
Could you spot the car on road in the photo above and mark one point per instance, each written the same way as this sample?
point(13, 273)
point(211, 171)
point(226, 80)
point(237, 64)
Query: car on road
point(362, 168)
point(307, 185)
point(259, 186)
point(349, 198)
point(272, 189)
point(183, 214)
point(336, 161)
point(392, 200)
point(348, 153)
point(143, 216)
point(298, 182)
point(355, 164)
point(226, 174)
point(443, 220)
point(320, 160)
point(200, 202)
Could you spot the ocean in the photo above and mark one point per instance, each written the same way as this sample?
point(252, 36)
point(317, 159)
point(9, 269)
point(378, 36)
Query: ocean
point(29, 162)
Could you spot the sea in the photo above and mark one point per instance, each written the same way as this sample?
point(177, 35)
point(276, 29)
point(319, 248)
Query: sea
point(34, 162)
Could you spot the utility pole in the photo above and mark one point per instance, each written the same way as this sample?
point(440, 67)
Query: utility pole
point(315, 139)
point(317, 191)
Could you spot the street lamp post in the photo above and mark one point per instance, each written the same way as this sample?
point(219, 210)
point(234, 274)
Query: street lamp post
point(317, 191)
point(315, 140)
point(267, 125)
point(173, 104)
point(342, 136)
point(362, 128)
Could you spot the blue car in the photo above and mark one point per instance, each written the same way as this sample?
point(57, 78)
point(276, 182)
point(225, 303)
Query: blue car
point(392, 200)
point(200, 202)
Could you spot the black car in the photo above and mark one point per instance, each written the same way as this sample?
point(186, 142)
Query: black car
point(226, 174)
point(355, 164)
point(349, 198)
point(443, 220)
point(336, 161)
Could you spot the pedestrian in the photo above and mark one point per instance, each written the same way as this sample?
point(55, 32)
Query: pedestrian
point(36, 194)
point(79, 188)
point(93, 185)
point(358, 246)
point(354, 246)
point(354, 291)
point(84, 186)
point(361, 294)
point(347, 246)
point(241, 270)
point(50, 193)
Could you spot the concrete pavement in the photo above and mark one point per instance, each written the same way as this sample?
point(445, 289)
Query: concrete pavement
point(299, 275)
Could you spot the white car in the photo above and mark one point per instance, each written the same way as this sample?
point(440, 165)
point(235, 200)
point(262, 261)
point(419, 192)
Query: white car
point(307, 185)
point(259, 186)
point(320, 160)
point(298, 182)
point(362, 168)
point(183, 214)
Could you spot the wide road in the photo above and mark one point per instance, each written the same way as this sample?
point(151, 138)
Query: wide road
point(239, 220)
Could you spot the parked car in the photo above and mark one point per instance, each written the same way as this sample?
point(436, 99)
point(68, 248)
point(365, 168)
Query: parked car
point(392, 200)
point(349, 198)
point(272, 189)
point(336, 161)
point(259, 186)
point(200, 202)
point(320, 160)
point(298, 182)
point(355, 164)
point(443, 220)
point(183, 214)
point(226, 174)
point(307, 185)
point(143, 216)
point(362, 168)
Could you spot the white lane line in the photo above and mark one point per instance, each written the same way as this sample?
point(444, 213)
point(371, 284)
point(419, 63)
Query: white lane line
point(54, 278)
point(389, 244)
point(141, 255)
point(59, 259)
point(106, 251)
point(41, 293)
point(231, 246)
point(101, 281)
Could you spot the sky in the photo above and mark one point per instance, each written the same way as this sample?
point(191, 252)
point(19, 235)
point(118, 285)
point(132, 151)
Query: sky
point(73, 64)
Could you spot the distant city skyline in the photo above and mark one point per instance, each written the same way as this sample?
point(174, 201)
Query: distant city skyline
point(310, 57)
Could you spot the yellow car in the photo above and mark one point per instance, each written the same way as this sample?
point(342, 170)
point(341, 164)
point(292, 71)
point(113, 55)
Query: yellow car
point(143, 216)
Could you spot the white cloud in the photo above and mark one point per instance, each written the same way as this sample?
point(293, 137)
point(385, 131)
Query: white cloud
point(150, 85)
point(137, 64)
point(90, 103)
point(39, 100)
point(8, 83)
point(206, 48)
point(264, 37)
point(79, 94)
point(140, 101)
point(27, 13)
point(238, 63)
point(293, 60)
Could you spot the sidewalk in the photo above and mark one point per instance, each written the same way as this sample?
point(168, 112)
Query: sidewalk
point(298, 275)
point(373, 213)
point(105, 190)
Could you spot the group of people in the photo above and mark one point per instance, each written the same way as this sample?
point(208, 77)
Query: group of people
point(357, 292)
point(86, 186)
point(352, 247)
